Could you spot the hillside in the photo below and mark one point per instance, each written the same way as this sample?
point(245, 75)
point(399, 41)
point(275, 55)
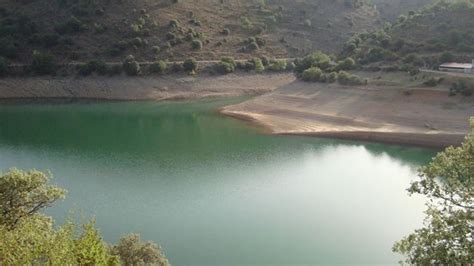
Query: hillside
point(435, 34)
point(82, 30)
point(391, 9)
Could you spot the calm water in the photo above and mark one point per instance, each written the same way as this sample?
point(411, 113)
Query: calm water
point(212, 190)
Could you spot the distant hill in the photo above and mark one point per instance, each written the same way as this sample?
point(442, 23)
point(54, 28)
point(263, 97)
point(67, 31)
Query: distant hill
point(81, 30)
point(440, 32)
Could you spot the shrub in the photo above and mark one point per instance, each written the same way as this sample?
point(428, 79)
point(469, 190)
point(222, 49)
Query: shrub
point(277, 65)
point(158, 67)
point(190, 65)
point(332, 77)
point(226, 31)
point(346, 64)
point(3, 66)
point(131, 66)
point(255, 64)
point(196, 44)
point(43, 64)
point(317, 59)
point(446, 57)
point(73, 25)
point(346, 78)
point(265, 60)
point(226, 65)
point(98, 66)
point(431, 82)
point(156, 49)
point(174, 23)
point(253, 46)
point(114, 70)
point(312, 74)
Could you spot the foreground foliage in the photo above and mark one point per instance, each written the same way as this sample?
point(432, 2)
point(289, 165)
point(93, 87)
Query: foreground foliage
point(28, 237)
point(447, 238)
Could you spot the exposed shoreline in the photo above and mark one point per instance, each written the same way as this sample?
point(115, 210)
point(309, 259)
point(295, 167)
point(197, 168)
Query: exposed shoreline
point(285, 106)
point(154, 88)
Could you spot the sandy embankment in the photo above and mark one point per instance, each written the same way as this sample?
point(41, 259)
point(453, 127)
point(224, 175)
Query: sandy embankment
point(171, 87)
point(426, 117)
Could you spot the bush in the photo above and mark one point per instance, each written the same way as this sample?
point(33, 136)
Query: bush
point(254, 64)
point(332, 77)
point(73, 25)
point(196, 44)
point(346, 64)
point(43, 64)
point(226, 65)
point(131, 66)
point(158, 67)
point(312, 74)
point(277, 65)
point(174, 23)
point(190, 65)
point(98, 66)
point(226, 31)
point(253, 46)
point(114, 70)
point(346, 78)
point(446, 57)
point(3, 66)
point(431, 82)
point(317, 59)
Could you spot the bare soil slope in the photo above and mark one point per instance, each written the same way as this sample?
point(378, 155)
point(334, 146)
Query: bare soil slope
point(426, 117)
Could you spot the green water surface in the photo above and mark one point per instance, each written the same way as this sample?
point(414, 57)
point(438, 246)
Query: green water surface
point(215, 191)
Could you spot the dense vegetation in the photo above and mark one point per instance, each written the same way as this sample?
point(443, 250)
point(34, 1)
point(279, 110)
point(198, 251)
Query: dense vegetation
point(29, 237)
point(438, 33)
point(448, 183)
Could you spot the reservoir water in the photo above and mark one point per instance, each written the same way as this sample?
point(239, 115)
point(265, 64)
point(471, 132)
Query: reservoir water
point(212, 190)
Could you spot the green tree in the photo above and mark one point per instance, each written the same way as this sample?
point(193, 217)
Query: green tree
point(158, 67)
point(28, 237)
point(132, 251)
point(131, 66)
point(447, 182)
point(190, 65)
point(312, 74)
point(25, 193)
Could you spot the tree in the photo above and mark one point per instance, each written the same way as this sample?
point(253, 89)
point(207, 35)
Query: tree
point(447, 238)
point(158, 67)
point(346, 64)
point(190, 65)
point(131, 66)
point(25, 193)
point(226, 65)
point(134, 252)
point(312, 74)
point(28, 237)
